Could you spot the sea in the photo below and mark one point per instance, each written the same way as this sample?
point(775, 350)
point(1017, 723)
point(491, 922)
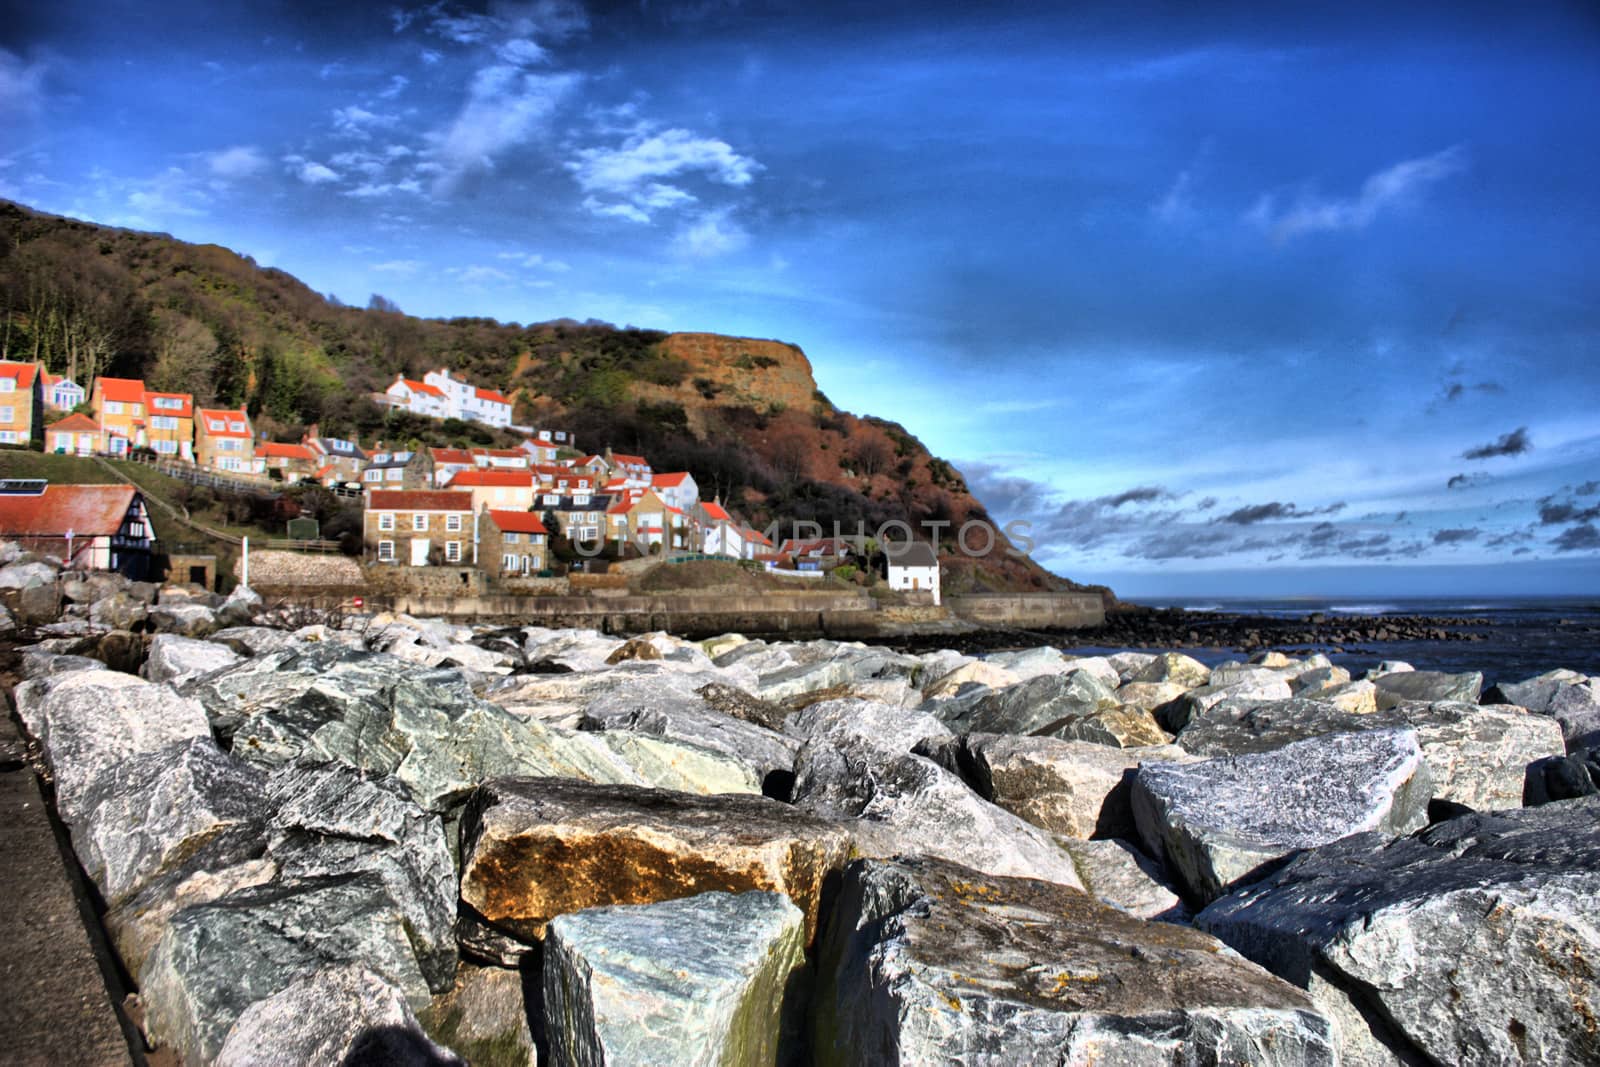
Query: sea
point(1523, 637)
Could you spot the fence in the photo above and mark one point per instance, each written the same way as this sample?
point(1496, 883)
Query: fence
point(233, 483)
point(286, 545)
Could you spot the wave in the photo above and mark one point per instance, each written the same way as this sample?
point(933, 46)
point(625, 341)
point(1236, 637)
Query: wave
point(1365, 609)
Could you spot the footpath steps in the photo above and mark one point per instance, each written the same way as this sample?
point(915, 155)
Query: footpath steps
point(54, 1007)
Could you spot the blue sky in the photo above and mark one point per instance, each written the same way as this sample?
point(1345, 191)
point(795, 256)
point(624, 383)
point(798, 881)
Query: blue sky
point(1250, 298)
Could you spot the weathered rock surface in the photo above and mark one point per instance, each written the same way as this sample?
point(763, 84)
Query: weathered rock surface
point(1174, 667)
point(930, 962)
point(175, 660)
point(1030, 705)
point(1428, 686)
point(119, 612)
point(1077, 789)
point(1568, 777)
point(217, 959)
point(1148, 695)
point(975, 672)
point(1474, 941)
point(327, 1016)
point(151, 811)
point(683, 715)
point(1123, 726)
point(1532, 693)
point(483, 1018)
point(845, 744)
point(1477, 755)
point(696, 981)
point(1219, 822)
point(1176, 714)
point(188, 620)
point(536, 848)
point(1117, 873)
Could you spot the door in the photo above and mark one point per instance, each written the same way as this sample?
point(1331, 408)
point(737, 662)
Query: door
point(419, 551)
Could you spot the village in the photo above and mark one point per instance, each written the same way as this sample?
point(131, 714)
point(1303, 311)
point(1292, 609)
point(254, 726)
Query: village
point(536, 510)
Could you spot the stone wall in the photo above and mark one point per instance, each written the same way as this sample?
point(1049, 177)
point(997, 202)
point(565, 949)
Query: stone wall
point(450, 583)
point(536, 586)
point(285, 570)
point(1039, 611)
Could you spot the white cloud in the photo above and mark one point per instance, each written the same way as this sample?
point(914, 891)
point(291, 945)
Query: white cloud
point(505, 108)
point(627, 172)
point(357, 121)
point(21, 85)
point(478, 274)
point(241, 161)
point(430, 57)
point(714, 233)
point(375, 189)
point(535, 261)
point(402, 267)
point(522, 52)
point(365, 162)
point(397, 85)
point(313, 173)
point(1178, 203)
point(1387, 189)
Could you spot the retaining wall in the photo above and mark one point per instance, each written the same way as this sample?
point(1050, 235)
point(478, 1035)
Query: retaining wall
point(1031, 611)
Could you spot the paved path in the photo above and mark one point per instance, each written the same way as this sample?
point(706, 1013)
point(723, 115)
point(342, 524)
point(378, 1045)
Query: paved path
point(54, 1008)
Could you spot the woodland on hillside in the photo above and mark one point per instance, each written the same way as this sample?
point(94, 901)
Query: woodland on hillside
point(87, 300)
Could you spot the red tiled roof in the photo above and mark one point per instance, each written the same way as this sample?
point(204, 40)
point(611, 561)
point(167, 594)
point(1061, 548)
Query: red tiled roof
point(424, 388)
point(752, 534)
point(670, 481)
point(86, 510)
point(517, 522)
point(418, 500)
point(22, 372)
point(215, 421)
point(453, 455)
point(716, 511)
point(519, 479)
point(75, 424)
point(636, 461)
point(491, 396)
point(278, 450)
point(122, 390)
point(184, 412)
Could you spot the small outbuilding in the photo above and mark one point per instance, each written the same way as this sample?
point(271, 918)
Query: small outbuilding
point(89, 527)
point(913, 567)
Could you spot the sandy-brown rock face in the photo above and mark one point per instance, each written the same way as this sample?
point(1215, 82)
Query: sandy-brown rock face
point(536, 848)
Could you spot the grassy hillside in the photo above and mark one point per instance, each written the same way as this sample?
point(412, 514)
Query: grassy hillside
point(744, 416)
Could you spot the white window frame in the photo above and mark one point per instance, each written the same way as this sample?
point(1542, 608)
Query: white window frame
point(452, 551)
point(385, 520)
point(113, 407)
point(509, 563)
point(452, 523)
point(513, 538)
point(386, 551)
point(419, 521)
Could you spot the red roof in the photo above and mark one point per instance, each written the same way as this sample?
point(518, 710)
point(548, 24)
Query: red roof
point(453, 455)
point(517, 522)
point(716, 511)
point(670, 481)
point(418, 500)
point(491, 396)
point(186, 411)
point(631, 461)
point(519, 479)
point(122, 390)
point(86, 510)
point(503, 453)
point(22, 372)
point(756, 536)
point(215, 421)
point(424, 388)
point(278, 450)
point(75, 424)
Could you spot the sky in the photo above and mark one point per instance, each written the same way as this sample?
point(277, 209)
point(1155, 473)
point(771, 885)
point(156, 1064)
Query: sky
point(1251, 299)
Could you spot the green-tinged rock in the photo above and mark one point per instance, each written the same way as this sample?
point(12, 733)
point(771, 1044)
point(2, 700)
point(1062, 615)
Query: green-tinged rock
point(484, 1018)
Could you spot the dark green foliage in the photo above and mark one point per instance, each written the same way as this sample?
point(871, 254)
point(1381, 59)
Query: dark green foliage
point(747, 361)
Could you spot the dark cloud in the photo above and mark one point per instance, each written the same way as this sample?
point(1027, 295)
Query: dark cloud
point(1206, 504)
point(1514, 443)
point(1454, 537)
point(1453, 390)
point(1588, 489)
point(1553, 512)
point(1144, 494)
point(1583, 538)
point(1254, 513)
point(1466, 481)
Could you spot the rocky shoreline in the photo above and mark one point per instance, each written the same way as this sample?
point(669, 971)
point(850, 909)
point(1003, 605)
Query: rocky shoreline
point(390, 839)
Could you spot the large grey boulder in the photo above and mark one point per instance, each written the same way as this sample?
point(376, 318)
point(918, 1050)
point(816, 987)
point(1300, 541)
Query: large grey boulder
point(845, 667)
point(535, 848)
point(335, 820)
point(1428, 687)
point(1118, 873)
point(217, 868)
point(1576, 708)
point(1176, 714)
point(483, 1018)
point(1174, 667)
point(1477, 755)
point(217, 959)
point(86, 588)
point(27, 574)
point(149, 812)
point(119, 611)
point(1532, 693)
point(930, 962)
point(186, 620)
point(1032, 705)
point(845, 744)
point(1474, 941)
point(1077, 789)
point(89, 722)
point(1124, 726)
point(1221, 822)
point(253, 640)
point(698, 981)
point(175, 660)
point(327, 1016)
point(1031, 662)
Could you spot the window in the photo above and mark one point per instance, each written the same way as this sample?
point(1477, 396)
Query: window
point(581, 498)
point(8, 414)
point(8, 437)
point(419, 521)
point(163, 422)
point(372, 476)
point(513, 538)
point(385, 520)
point(452, 523)
point(138, 410)
point(236, 427)
point(171, 403)
point(386, 551)
point(509, 563)
point(230, 446)
point(113, 407)
point(452, 551)
point(552, 499)
point(169, 448)
point(8, 385)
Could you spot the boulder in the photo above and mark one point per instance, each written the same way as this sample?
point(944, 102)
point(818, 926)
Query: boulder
point(1221, 822)
point(186, 620)
point(846, 666)
point(37, 663)
point(1577, 708)
point(1270, 658)
point(1227, 674)
point(217, 959)
point(242, 605)
point(38, 604)
point(1174, 667)
point(1176, 714)
point(483, 1017)
point(1148, 695)
point(1473, 941)
point(677, 712)
point(1099, 666)
point(845, 744)
point(149, 812)
point(1123, 726)
point(1477, 755)
point(1077, 789)
point(535, 848)
point(176, 660)
point(335, 1015)
point(1428, 687)
point(640, 759)
point(217, 868)
point(973, 672)
point(8, 621)
point(1030, 662)
point(702, 980)
point(250, 641)
point(637, 648)
point(86, 588)
point(1031, 705)
point(1319, 679)
point(120, 651)
point(1388, 666)
point(1568, 777)
point(1117, 873)
point(119, 611)
point(930, 962)
point(90, 722)
point(334, 820)
point(27, 574)
point(1532, 693)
